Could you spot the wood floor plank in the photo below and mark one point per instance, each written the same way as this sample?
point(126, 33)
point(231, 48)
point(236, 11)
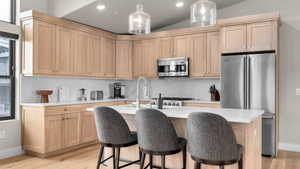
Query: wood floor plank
point(85, 158)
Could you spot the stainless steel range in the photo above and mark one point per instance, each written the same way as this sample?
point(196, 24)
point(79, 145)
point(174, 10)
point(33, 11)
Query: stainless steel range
point(172, 101)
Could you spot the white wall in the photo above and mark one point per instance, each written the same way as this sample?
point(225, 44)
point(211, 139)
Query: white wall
point(38, 5)
point(289, 57)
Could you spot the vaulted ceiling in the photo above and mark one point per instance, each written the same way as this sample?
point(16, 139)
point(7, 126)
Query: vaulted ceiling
point(115, 17)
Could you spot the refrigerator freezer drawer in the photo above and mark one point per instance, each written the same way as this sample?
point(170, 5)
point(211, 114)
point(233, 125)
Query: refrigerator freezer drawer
point(268, 137)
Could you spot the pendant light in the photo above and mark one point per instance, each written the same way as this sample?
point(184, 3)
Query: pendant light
point(203, 13)
point(139, 22)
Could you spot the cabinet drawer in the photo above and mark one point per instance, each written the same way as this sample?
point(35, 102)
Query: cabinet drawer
point(63, 109)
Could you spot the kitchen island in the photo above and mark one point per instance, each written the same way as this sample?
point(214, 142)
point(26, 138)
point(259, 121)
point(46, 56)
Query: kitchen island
point(246, 125)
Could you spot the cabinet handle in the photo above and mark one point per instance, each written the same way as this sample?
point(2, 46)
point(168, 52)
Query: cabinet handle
point(65, 109)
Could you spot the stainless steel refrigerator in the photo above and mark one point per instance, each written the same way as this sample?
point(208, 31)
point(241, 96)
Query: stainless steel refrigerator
point(248, 81)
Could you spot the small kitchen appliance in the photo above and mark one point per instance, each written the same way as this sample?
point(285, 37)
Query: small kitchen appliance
point(96, 95)
point(117, 90)
point(173, 67)
point(82, 96)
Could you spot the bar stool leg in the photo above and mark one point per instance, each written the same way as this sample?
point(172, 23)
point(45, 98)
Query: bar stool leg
point(100, 156)
point(163, 162)
point(197, 165)
point(117, 157)
point(241, 162)
point(114, 157)
point(142, 160)
point(151, 161)
point(184, 157)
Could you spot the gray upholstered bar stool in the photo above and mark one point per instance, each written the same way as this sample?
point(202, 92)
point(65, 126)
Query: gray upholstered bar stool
point(157, 136)
point(211, 141)
point(113, 132)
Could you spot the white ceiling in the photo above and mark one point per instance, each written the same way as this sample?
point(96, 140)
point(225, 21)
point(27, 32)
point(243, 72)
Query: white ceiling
point(115, 17)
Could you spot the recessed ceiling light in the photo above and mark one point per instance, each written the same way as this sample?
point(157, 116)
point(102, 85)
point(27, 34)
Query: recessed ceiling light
point(179, 4)
point(101, 7)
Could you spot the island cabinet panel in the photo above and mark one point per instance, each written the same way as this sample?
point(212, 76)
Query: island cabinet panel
point(65, 50)
point(124, 59)
point(261, 36)
point(247, 134)
point(53, 132)
point(108, 51)
point(234, 39)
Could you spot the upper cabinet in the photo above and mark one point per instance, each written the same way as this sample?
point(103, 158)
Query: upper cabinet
point(234, 39)
point(166, 49)
point(38, 48)
point(213, 55)
point(124, 59)
point(198, 61)
point(108, 51)
point(81, 53)
point(182, 46)
point(260, 36)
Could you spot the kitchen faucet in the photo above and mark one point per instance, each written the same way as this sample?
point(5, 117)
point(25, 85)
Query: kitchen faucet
point(138, 95)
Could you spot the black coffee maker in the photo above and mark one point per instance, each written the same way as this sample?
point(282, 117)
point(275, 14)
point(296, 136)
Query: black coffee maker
point(118, 90)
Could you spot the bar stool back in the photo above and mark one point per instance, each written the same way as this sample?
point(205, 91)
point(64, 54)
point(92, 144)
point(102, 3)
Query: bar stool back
point(211, 140)
point(157, 136)
point(113, 131)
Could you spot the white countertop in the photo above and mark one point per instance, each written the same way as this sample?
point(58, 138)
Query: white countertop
point(231, 115)
point(101, 101)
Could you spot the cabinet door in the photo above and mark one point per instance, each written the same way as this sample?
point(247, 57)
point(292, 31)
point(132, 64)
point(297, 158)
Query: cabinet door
point(198, 60)
point(183, 46)
point(95, 68)
point(53, 132)
point(166, 47)
point(234, 39)
point(70, 129)
point(138, 54)
point(124, 59)
point(87, 127)
point(80, 62)
point(150, 58)
point(108, 51)
point(261, 36)
point(44, 48)
point(65, 48)
point(213, 55)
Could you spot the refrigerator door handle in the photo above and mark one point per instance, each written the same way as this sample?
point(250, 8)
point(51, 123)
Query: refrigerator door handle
point(249, 82)
point(245, 82)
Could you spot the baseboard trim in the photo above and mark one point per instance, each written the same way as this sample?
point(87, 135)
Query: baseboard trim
point(11, 152)
point(289, 147)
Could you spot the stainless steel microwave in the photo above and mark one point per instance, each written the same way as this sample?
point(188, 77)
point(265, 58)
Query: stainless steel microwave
point(173, 67)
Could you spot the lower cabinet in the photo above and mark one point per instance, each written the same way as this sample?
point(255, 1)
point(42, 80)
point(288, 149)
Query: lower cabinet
point(48, 131)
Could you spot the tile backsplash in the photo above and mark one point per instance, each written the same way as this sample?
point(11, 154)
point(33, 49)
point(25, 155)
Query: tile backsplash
point(180, 87)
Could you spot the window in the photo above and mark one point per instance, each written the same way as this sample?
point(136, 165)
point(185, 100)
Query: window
point(7, 64)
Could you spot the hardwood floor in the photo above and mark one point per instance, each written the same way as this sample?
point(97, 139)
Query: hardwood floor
point(86, 159)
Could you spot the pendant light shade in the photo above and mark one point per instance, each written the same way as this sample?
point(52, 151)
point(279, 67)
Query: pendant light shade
point(139, 22)
point(203, 13)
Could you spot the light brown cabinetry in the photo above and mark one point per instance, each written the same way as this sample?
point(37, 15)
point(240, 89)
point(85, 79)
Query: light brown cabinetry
point(260, 36)
point(87, 127)
point(65, 51)
point(52, 130)
point(213, 55)
point(124, 59)
point(183, 46)
point(108, 51)
point(81, 53)
point(198, 60)
point(145, 58)
point(39, 42)
point(234, 39)
point(166, 49)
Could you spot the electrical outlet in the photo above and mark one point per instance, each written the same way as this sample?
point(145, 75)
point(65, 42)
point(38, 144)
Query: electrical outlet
point(2, 133)
point(298, 91)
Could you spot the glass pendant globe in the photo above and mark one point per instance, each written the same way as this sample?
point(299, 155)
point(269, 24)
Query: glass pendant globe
point(203, 13)
point(139, 22)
